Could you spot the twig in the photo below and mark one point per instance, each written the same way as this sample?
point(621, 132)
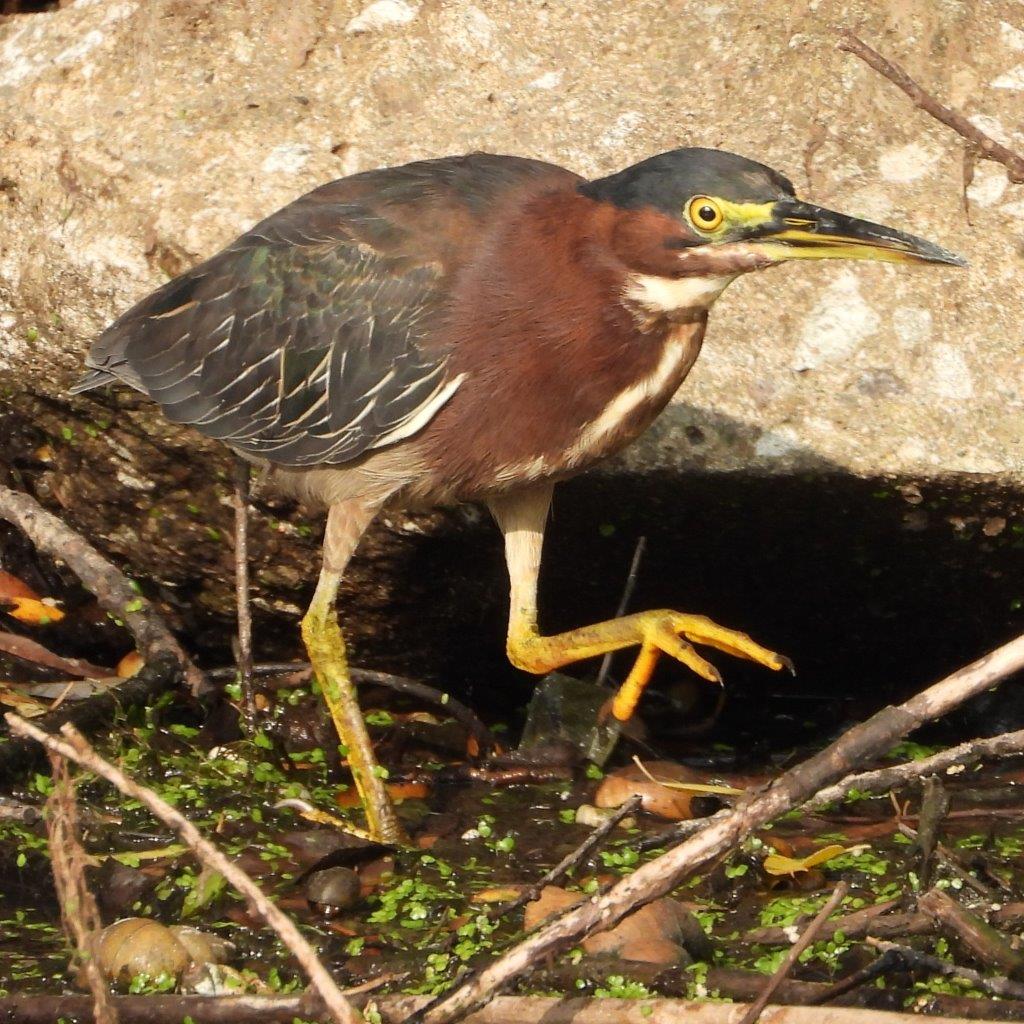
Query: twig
point(27, 649)
point(951, 863)
point(912, 772)
point(661, 875)
point(985, 943)
point(154, 678)
point(879, 966)
point(465, 716)
point(923, 961)
point(789, 960)
point(571, 860)
point(627, 596)
point(986, 146)
point(78, 911)
point(75, 747)
point(240, 500)
point(100, 577)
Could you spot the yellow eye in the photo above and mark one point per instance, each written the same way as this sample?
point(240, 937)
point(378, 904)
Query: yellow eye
point(705, 214)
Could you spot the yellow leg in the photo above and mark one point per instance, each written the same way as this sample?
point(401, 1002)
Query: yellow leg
point(521, 518)
point(326, 648)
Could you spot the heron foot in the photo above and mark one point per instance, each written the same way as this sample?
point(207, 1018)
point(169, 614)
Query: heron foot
point(656, 633)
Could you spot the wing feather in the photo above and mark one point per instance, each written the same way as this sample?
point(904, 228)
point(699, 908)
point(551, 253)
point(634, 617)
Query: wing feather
point(318, 335)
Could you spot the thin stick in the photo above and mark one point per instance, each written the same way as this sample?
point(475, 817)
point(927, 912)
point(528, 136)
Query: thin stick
point(789, 960)
point(464, 715)
point(659, 876)
point(78, 911)
point(986, 146)
point(571, 860)
point(627, 596)
point(75, 747)
point(244, 608)
point(924, 961)
point(100, 577)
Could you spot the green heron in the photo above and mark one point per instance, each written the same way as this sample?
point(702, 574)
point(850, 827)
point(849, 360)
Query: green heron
point(470, 328)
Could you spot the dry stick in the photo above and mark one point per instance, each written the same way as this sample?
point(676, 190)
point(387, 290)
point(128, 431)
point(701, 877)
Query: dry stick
point(150, 681)
point(986, 146)
point(661, 875)
point(912, 772)
point(163, 1009)
point(100, 577)
point(78, 911)
point(923, 961)
point(75, 747)
point(789, 960)
point(627, 596)
point(244, 608)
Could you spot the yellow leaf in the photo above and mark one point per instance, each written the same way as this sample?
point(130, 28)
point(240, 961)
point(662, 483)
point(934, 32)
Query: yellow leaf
point(497, 894)
point(33, 611)
point(688, 787)
point(776, 864)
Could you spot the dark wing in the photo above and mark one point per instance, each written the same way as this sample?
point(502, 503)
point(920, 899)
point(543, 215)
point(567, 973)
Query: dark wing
point(312, 339)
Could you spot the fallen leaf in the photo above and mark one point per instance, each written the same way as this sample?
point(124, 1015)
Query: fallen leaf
point(675, 804)
point(33, 611)
point(776, 864)
point(497, 894)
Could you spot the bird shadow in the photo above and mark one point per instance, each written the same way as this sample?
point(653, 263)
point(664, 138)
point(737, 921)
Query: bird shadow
point(874, 586)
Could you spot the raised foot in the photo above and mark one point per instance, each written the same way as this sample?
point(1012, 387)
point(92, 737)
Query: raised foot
point(656, 633)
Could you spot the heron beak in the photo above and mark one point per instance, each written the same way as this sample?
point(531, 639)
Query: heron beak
point(800, 231)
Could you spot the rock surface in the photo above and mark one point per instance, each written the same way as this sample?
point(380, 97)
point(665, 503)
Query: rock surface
point(138, 137)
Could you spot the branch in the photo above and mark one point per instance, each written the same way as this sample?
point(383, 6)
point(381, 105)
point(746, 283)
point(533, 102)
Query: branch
point(661, 875)
point(151, 680)
point(100, 577)
point(913, 772)
point(986, 146)
point(75, 747)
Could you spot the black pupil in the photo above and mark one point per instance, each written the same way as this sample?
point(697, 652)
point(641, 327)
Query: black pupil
point(706, 214)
